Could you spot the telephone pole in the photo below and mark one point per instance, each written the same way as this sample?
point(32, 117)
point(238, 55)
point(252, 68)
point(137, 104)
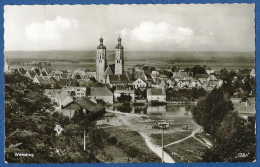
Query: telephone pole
point(162, 143)
point(84, 140)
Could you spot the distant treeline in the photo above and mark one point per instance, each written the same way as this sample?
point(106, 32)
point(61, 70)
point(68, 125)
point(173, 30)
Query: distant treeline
point(149, 57)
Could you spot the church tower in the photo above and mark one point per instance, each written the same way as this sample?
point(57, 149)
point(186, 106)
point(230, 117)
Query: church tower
point(119, 58)
point(101, 62)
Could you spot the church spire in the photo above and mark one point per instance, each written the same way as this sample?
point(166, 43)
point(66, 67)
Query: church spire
point(101, 40)
point(119, 40)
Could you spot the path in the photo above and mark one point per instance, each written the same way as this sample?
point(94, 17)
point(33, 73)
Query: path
point(206, 142)
point(191, 135)
point(148, 141)
point(156, 149)
point(153, 147)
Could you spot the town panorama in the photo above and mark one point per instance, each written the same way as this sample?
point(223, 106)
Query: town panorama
point(113, 105)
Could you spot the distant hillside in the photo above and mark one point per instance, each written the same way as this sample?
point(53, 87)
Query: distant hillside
point(182, 59)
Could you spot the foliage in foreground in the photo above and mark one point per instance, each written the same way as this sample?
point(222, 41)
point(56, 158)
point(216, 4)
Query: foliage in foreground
point(30, 128)
point(235, 136)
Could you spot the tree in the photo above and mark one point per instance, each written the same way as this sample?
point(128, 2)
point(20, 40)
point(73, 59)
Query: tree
point(228, 78)
point(30, 129)
point(234, 135)
point(198, 70)
point(248, 85)
point(169, 93)
point(236, 143)
point(187, 69)
point(140, 93)
point(123, 98)
point(175, 69)
point(210, 111)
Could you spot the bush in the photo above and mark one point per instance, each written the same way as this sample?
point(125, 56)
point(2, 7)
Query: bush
point(112, 140)
point(244, 99)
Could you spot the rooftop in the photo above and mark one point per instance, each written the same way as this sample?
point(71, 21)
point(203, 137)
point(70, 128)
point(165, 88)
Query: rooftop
point(100, 91)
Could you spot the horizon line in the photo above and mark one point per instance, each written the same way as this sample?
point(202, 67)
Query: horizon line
point(126, 51)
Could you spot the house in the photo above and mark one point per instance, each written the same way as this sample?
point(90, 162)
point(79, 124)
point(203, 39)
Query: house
point(210, 71)
point(80, 72)
point(44, 74)
point(118, 80)
point(63, 99)
point(36, 80)
point(156, 95)
point(139, 83)
point(66, 82)
point(195, 83)
point(155, 72)
point(31, 74)
point(20, 71)
point(124, 89)
point(91, 75)
point(181, 74)
point(52, 93)
point(80, 92)
point(37, 71)
point(212, 78)
point(68, 94)
point(66, 75)
point(202, 77)
point(252, 73)
point(101, 93)
point(46, 81)
point(148, 79)
point(56, 74)
point(86, 105)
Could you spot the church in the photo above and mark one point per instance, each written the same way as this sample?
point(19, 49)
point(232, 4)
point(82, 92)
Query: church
point(112, 74)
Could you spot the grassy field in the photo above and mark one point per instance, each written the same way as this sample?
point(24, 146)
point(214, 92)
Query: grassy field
point(189, 150)
point(129, 142)
point(169, 138)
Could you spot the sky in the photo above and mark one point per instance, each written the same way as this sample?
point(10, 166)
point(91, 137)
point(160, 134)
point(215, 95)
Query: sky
point(177, 27)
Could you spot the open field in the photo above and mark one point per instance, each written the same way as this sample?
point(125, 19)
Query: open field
point(127, 127)
point(168, 138)
point(71, 59)
point(127, 141)
point(189, 150)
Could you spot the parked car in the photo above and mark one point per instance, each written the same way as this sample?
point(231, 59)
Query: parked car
point(161, 125)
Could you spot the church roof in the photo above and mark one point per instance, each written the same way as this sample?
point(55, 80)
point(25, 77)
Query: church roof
point(119, 46)
point(101, 46)
point(116, 79)
point(110, 70)
point(112, 67)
